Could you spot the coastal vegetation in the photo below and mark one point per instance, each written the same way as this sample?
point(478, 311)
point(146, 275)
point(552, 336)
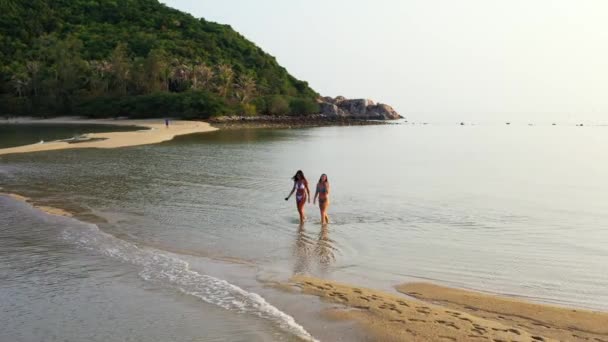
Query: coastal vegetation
point(136, 58)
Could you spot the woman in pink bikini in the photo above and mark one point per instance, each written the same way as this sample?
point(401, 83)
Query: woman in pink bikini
point(300, 187)
point(323, 194)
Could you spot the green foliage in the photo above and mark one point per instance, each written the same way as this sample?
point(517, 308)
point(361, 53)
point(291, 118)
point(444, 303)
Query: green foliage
point(299, 106)
point(277, 105)
point(248, 109)
point(201, 105)
point(286, 105)
point(106, 57)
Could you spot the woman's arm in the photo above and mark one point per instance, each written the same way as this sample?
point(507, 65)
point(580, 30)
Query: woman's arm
point(316, 195)
point(307, 191)
point(292, 190)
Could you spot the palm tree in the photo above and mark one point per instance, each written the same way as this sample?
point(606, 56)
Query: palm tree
point(119, 62)
point(101, 71)
point(225, 76)
point(202, 75)
point(246, 88)
point(33, 71)
point(20, 83)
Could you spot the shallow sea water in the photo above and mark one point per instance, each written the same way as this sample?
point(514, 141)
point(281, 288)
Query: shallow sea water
point(197, 226)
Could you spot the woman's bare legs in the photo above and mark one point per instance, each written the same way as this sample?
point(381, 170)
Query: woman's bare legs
point(300, 206)
point(324, 217)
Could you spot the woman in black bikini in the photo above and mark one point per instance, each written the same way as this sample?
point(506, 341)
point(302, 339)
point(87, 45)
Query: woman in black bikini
point(300, 186)
point(323, 194)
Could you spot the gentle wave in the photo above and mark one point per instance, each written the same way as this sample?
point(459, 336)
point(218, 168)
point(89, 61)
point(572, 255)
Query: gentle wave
point(161, 267)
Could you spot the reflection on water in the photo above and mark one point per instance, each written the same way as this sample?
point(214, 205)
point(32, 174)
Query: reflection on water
point(303, 248)
point(312, 253)
point(325, 250)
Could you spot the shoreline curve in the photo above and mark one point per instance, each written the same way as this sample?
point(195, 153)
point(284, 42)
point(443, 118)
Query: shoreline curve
point(430, 312)
point(154, 132)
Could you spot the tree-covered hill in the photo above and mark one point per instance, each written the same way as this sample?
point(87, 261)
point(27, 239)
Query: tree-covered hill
point(136, 58)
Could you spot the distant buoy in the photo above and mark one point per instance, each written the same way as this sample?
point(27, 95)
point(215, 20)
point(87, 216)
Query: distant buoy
point(462, 124)
point(508, 123)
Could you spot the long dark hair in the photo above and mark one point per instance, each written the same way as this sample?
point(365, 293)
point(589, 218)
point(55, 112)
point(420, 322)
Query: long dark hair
point(299, 173)
point(321, 178)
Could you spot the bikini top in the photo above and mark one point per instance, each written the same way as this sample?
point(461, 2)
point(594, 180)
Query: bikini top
point(322, 189)
point(300, 185)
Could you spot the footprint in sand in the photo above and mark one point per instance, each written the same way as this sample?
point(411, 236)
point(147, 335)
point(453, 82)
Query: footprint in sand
point(417, 320)
point(447, 338)
point(449, 324)
point(357, 291)
point(515, 331)
point(480, 328)
point(364, 298)
point(398, 321)
point(537, 338)
point(403, 303)
point(396, 310)
point(478, 331)
point(465, 319)
point(478, 336)
point(361, 307)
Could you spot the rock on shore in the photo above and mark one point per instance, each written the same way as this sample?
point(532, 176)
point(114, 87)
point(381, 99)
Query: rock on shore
point(356, 109)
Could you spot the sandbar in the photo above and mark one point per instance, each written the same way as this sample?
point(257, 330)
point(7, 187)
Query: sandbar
point(47, 209)
point(153, 132)
point(435, 313)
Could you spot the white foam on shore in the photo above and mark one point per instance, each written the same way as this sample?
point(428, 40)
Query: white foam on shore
point(158, 266)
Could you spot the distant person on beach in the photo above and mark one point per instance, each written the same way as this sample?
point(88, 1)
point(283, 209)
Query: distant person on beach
point(323, 194)
point(167, 123)
point(300, 187)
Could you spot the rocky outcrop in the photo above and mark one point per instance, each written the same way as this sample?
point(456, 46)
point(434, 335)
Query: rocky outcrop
point(356, 109)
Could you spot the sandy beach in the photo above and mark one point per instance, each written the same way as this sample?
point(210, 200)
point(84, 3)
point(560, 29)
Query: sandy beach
point(435, 313)
point(154, 131)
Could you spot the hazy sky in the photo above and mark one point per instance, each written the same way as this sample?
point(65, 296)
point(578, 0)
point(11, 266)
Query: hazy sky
point(438, 60)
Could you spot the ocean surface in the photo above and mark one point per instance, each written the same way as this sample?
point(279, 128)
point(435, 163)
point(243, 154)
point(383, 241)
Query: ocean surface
point(183, 240)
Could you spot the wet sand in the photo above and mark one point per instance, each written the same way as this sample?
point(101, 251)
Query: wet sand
point(47, 209)
point(154, 132)
point(444, 314)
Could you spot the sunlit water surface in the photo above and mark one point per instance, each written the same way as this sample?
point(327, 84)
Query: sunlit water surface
point(513, 210)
